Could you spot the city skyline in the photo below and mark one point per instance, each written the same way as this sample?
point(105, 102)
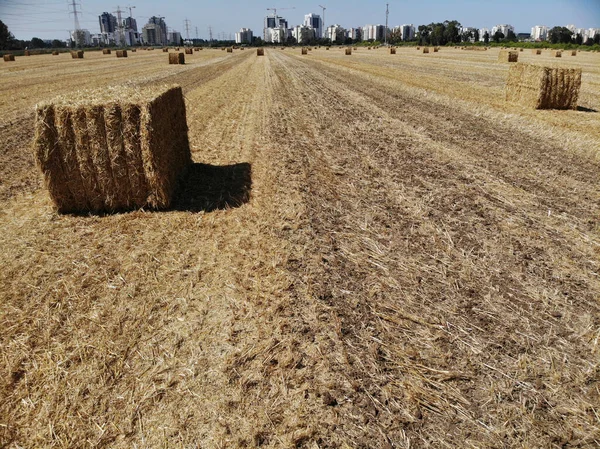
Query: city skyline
point(51, 19)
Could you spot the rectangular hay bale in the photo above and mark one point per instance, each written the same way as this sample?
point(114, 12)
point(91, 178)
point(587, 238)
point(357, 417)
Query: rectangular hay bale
point(229, 50)
point(121, 53)
point(557, 53)
point(425, 50)
point(304, 51)
point(392, 51)
point(189, 51)
point(106, 51)
point(536, 51)
point(176, 58)
point(348, 51)
point(573, 52)
point(77, 54)
point(260, 52)
point(112, 149)
point(508, 56)
point(8, 58)
point(543, 87)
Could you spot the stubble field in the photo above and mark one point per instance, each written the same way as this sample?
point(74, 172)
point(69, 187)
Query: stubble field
point(371, 251)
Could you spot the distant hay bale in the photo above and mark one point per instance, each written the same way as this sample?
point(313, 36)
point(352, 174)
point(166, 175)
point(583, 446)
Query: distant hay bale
point(368, 48)
point(121, 53)
point(165, 50)
point(260, 52)
point(106, 51)
point(77, 54)
point(309, 49)
point(189, 51)
point(223, 49)
point(573, 52)
point(176, 58)
point(304, 51)
point(133, 50)
point(418, 48)
point(508, 56)
point(54, 53)
point(348, 52)
point(536, 51)
point(543, 87)
point(196, 49)
point(425, 50)
point(436, 49)
point(326, 48)
point(27, 53)
point(229, 50)
point(354, 48)
point(392, 51)
point(8, 58)
point(557, 54)
point(112, 149)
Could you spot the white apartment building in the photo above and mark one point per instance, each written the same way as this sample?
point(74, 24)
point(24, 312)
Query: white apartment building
point(354, 33)
point(174, 38)
point(467, 30)
point(275, 29)
point(592, 32)
point(81, 37)
point(335, 33)
point(482, 33)
point(408, 32)
point(244, 36)
point(303, 33)
point(314, 21)
point(539, 33)
point(504, 29)
point(373, 32)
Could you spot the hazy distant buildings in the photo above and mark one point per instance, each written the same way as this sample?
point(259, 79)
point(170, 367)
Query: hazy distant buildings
point(336, 33)
point(244, 36)
point(81, 38)
point(155, 31)
point(275, 29)
point(314, 21)
point(355, 34)
point(373, 32)
point(130, 24)
point(504, 29)
point(408, 32)
point(483, 32)
point(174, 38)
point(108, 23)
point(304, 34)
point(539, 33)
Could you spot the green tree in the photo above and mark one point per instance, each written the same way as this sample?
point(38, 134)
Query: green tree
point(560, 35)
point(58, 44)
point(511, 36)
point(451, 32)
point(486, 38)
point(597, 39)
point(7, 39)
point(579, 39)
point(423, 35)
point(36, 42)
point(498, 36)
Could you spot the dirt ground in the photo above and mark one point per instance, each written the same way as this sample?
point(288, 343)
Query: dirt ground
point(370, 251)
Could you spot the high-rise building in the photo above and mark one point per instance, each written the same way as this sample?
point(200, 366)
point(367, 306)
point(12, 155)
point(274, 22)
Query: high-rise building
point(539, 33)
point(108, 23)
point(276, 29)
point(314, 21)
point(304, 33)
point(408, 32)
point(373, 32)
point(504, 29)
point(130, 24)
point(355, 34)
point(174, 38)
point(335, 33)
point(155, 31)
point(244, 36)
point(483, 32)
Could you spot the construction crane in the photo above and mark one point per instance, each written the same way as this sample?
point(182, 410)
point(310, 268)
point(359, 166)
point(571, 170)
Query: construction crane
point(120, 27)
point(275, 10)
point(323, 21)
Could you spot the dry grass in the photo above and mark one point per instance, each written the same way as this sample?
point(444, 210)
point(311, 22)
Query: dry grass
point(536, 51)
point(416, 266)
point(543, 87)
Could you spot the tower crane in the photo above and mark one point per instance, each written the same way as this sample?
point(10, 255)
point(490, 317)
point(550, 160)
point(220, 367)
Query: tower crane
point(323, 21)
point(275, 10)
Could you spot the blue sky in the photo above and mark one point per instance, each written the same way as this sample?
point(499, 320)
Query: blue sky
point(51, 19)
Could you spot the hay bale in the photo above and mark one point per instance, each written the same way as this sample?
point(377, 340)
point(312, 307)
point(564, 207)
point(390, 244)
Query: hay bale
point(557, 54)
point(77, 54)
point(392, 51)
point(508, 56)
point(8, 58)
point(425, 50)
point(112, 149)
point(573, 52)
point(229, 50)
point(165, 50)
point(543, 87)
point(304, 51)
point(133, 50)
point(189, 51)
point(106, 51)
point(54, 53)
point(418, 48)
point(27, 53)
point(121, 53)
point(260, 52)
point(348, 52)
point(326, 48)
point(536, 51)
point(436, 49)
point(176, 58)
point(368, 48)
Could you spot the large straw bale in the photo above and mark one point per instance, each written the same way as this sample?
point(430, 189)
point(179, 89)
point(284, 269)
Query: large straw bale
point(112, 149)
point(543, 87)
point(392, 51)
point(348, 51)
point(176, 58)
point(77, 54)
point(27, 53)
point(304, 51)
point(165, 50)
point(260, 52)
point(229, 50)
point(573, 52)
point(425, 49)
point(121, 53)
point(557, 53)
point(133, 50)
point(55, 53)
point(436, 49)
point(8, 58)
point(106, 51)
point(508, 56)
point(189, 51)
point(537, 51)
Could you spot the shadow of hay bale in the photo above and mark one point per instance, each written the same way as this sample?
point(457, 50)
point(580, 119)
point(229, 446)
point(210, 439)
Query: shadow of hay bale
point(210, 187)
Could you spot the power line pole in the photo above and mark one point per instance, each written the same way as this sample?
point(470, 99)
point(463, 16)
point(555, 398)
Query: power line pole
point(196, 33)
point(210, 36)
point(187, 29)
point(75, 12)
point(387, 13)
